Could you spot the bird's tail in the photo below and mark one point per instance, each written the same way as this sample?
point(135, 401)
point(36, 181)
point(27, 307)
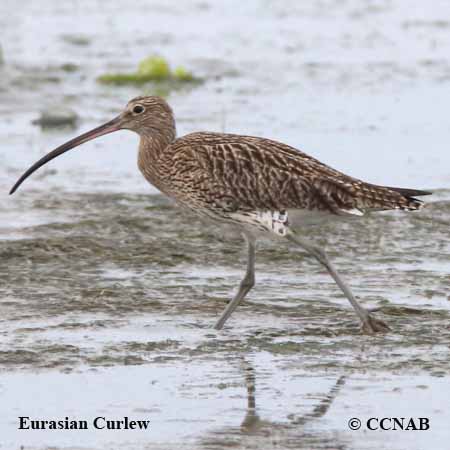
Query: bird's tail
point(358, 197)
point(408, 199)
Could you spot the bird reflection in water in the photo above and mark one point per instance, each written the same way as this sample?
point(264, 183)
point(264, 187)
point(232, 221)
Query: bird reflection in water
point(256, 433)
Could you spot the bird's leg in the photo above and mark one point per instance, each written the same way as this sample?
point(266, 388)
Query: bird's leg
point(369, 324)
point(246, 284)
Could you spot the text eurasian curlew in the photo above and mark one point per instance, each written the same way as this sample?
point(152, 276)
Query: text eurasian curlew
point(251, 182)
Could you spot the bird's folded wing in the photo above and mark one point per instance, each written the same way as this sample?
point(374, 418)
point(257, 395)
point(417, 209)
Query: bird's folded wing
point(249, 173)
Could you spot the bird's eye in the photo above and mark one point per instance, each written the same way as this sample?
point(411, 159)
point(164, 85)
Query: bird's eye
point(138, 109)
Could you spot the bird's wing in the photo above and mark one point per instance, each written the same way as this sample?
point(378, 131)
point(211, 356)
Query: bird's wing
point(251, 173)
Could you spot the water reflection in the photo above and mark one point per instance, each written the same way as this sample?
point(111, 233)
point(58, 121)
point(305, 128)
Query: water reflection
point(255, 432)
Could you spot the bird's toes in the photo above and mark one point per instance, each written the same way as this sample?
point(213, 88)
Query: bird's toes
point(372, 325)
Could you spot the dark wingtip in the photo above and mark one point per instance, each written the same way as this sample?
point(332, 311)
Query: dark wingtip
point(408, 193)
point(420, 193)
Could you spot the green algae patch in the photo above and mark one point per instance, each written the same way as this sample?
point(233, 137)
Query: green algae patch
point(124, 78)
point(154, 69)
point(181, 74)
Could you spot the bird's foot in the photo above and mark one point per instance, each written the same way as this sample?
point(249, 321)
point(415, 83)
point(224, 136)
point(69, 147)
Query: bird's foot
point(371, 325)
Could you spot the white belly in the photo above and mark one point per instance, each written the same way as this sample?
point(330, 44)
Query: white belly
point(279, 223)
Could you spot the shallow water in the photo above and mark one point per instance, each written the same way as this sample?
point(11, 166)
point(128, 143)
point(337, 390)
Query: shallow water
point(109, 292)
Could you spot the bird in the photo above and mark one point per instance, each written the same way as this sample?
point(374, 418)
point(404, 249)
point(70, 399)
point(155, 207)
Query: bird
point(256, 184)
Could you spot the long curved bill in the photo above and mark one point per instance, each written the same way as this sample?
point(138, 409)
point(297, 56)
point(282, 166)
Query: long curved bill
point(108, 127)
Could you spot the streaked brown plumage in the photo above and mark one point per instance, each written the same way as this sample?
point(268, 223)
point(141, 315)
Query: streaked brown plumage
point(250, 181)
point(254, 173)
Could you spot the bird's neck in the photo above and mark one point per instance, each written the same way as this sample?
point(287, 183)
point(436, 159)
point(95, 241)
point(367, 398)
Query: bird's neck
point(151, 147)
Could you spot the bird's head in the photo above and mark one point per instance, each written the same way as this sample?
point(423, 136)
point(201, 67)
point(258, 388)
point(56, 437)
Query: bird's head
point(148, 116)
